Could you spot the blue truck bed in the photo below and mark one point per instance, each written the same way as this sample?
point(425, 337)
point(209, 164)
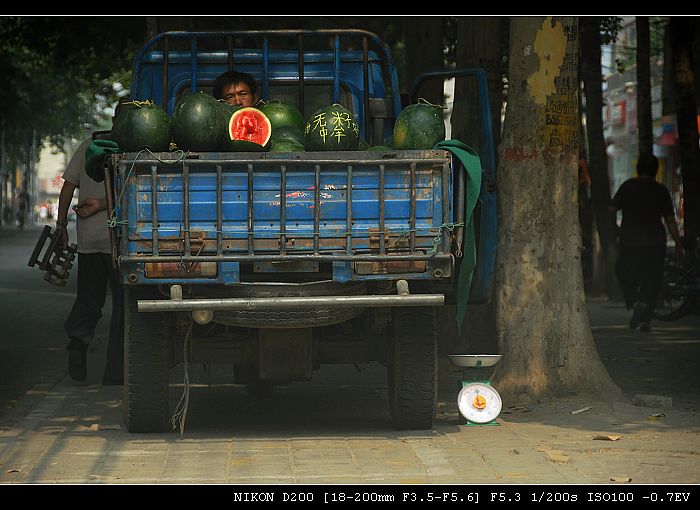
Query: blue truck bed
point(278, 262)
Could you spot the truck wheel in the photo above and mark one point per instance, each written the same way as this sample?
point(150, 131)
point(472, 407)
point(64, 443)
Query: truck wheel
point(413, 368)
point(259, 390)
point(146, 342)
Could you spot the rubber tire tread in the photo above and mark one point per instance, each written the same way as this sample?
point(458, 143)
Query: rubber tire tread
point(686, 303)
point(413, 368)
point(147, 345)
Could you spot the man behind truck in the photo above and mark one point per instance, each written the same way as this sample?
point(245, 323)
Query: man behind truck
point(95, 271)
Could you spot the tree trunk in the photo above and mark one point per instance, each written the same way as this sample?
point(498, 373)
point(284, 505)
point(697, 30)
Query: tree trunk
point(424, 40)
point(478, 45)
point(644, 121)
point(682, 36)
point(543, 327)
point(598, 159)
point(479, 42)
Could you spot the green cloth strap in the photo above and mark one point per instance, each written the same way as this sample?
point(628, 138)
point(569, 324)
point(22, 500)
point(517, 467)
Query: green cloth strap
point(95, 155)
point(472, 164)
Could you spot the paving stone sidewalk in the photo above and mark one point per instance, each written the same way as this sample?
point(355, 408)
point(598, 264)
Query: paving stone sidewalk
point(336, 429)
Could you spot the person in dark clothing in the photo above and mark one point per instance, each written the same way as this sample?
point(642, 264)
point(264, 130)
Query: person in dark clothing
point(646, 205)
point(95, 272)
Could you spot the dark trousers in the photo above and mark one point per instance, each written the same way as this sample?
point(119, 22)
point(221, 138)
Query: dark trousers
point(95, 272)
point(640, 272)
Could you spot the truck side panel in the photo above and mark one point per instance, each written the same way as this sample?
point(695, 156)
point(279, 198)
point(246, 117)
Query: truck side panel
point(239, 208)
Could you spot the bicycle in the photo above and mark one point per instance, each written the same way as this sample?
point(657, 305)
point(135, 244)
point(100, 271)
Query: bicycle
point(680, 289)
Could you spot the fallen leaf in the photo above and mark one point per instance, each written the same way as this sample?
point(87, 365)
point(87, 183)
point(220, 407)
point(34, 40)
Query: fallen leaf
point(621, 479)
point(656, 416)
point(582, 410)
point(110, 427)
point(91, 428)
point(607, 437)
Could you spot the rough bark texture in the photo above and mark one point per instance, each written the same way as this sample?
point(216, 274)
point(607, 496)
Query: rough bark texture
point(478, 45)
point(644, 86)
point(543, 327)
point(682, 36)
point(597, 158)
point(424, 42)
point(479, 41)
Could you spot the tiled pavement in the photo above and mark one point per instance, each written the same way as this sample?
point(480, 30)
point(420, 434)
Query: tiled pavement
point(336, 430)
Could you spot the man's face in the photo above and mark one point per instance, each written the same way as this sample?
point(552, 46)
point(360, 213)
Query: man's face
point(239, 94)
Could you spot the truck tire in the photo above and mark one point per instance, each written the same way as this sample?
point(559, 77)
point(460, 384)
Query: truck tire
point(412, 374)
point(147, 345)
point(260, 390)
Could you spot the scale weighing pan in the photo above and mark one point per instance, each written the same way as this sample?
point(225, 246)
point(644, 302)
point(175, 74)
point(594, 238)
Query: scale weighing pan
point(474, 360)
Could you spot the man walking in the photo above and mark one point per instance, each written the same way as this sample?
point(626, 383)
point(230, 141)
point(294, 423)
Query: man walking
point(646, 205)
point(95, 271)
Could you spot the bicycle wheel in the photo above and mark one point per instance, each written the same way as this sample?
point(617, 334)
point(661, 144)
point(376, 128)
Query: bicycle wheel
point(673, 302)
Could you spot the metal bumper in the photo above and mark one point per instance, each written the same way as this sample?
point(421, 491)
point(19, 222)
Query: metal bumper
point(190, 305)
point(177, 304)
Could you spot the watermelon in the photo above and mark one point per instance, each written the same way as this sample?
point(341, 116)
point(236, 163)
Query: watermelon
point(285, 146)
point(331, 128)
point(226, 111)
point(250, 125)
point(288, 133)
point(141, 125)
point(283, 115)
point(226, 144)
point(419, 126)
point(196, 123)
point(380, 148)
point(362, 145)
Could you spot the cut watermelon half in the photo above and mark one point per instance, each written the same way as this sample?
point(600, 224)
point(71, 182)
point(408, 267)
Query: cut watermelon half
point(250, 125)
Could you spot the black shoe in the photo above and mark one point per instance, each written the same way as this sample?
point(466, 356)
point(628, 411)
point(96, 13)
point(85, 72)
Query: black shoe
point(638, 314)
point(645, 326)
point(77, 361)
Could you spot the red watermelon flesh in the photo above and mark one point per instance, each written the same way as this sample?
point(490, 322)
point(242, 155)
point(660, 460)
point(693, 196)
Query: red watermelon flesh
point(251, 125)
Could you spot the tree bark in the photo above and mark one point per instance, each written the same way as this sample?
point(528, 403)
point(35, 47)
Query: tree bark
point(479, 42)
point(682, 36)
point(644, 122)
point(424, 41)
point(597, 157)
point(543, 327)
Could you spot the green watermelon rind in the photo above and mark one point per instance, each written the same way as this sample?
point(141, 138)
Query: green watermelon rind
point(288, 133)
point(196, 123)
point(283, 114)
point(418, 126)
point(142, 127)
point(331, 128)
point(286, 146)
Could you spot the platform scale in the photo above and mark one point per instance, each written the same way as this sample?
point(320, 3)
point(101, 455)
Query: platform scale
point(479, 402)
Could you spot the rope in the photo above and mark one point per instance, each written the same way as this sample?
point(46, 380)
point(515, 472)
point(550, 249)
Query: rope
point(113, 221)
point(438, 238)
point(425, 101)
point(180, 412)
point(356, 233)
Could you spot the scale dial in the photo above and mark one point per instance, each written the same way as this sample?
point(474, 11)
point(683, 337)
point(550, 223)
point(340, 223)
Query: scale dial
point(479, 402)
